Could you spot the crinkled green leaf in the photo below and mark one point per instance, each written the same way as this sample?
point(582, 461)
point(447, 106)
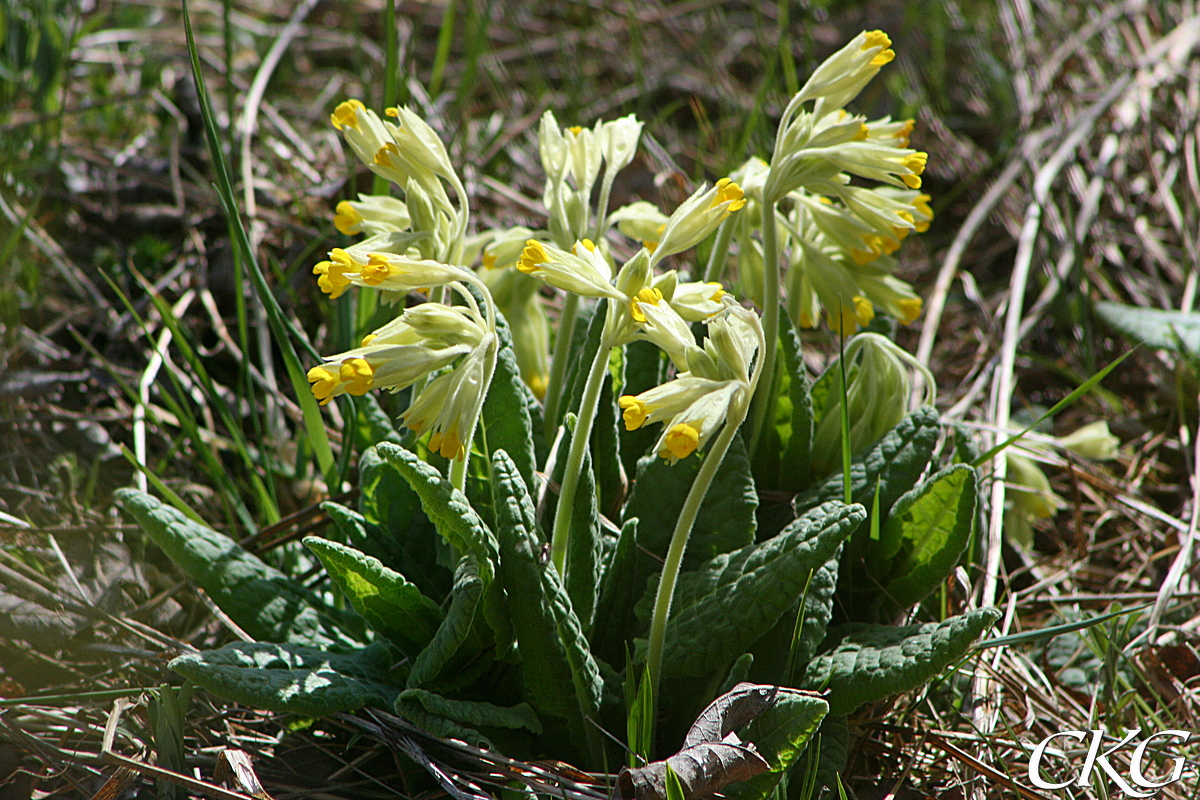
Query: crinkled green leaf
point(447, 508)
point(393, 607)
point(397, 530)
point(726, 519)
point(456, 645)
point(868, 662)
point(462, 528)
point(471, 712)
point(1165, 330)
point(294, 679)
point(561, 676)
point(582, 566)
point(504, 423)
point(619, 591)
point(259, 598)
point(895, 463)
point(926, 533)
point(780, 733)
point(605, 439)
point(374, 424)
point(773, 652)
point(440, 726)
point(795, 462)
point(834, 736)
point(723, 607)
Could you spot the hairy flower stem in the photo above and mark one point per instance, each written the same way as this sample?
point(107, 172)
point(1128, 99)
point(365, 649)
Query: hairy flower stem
point(720, 252)
point(679, 540)
point(579, 444)
point(558, 366)
point(458, 468)
point(764, 396)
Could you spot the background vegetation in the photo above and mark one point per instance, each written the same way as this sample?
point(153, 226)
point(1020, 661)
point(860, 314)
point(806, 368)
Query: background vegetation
point(1063, 166)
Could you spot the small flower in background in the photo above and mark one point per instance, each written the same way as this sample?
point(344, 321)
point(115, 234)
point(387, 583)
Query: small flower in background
point(1093, 440)
point(1029, 489)
point(640, 221)
point(1030, 496)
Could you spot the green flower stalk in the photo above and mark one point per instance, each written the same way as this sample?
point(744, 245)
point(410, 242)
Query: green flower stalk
point(714, 393)
point(585, 271)
point(839, 237)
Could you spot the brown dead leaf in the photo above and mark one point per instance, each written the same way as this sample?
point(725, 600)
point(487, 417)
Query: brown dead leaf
point(713, 756)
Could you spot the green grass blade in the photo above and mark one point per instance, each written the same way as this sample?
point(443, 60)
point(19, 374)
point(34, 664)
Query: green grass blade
point(442, 55)
point(280, 328)
point(1057, 630)
point(1083, 389)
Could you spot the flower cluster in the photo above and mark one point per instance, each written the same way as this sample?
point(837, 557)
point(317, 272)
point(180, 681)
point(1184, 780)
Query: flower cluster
point(839, 236)
point(446, 352)
point(714, 383)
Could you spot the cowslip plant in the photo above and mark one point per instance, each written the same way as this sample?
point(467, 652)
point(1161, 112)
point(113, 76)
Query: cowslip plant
point(532, 559)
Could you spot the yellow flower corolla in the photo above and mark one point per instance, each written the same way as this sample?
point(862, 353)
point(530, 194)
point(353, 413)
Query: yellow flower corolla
point(916, 163)
point(729, 193)
point(910, 309)
point(533, 255)
point(879, 39)
point(346, 218)
point(634, 412)
point(448, 444)
point(681, 441)
point(648, 295)
point(346, 114)
point(921, 204)
point(332, 274)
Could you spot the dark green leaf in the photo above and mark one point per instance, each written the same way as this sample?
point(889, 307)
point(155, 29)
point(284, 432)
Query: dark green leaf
point(795, 462)
point(722, 608)
point(397, 530)
point(726, 519)
point(504, 423)
point(453, 654)
point(867, 662)
point(293, 679)
point(780, 733)
point(392, 606)
point(455, 520)
point(474, 713)
point(1165, 330)
point(895, 463)
point(926, 533)
point(619, 592)
point(259, 598)
point(561, 676)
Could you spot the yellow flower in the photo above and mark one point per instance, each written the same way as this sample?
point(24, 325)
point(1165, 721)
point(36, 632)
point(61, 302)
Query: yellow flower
point(698, 216)
point(372, 215)
point(634, 412)
point(346, 114)
point(878, 39)
point(584, 272)
point(651, 296)
point(681, 441)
